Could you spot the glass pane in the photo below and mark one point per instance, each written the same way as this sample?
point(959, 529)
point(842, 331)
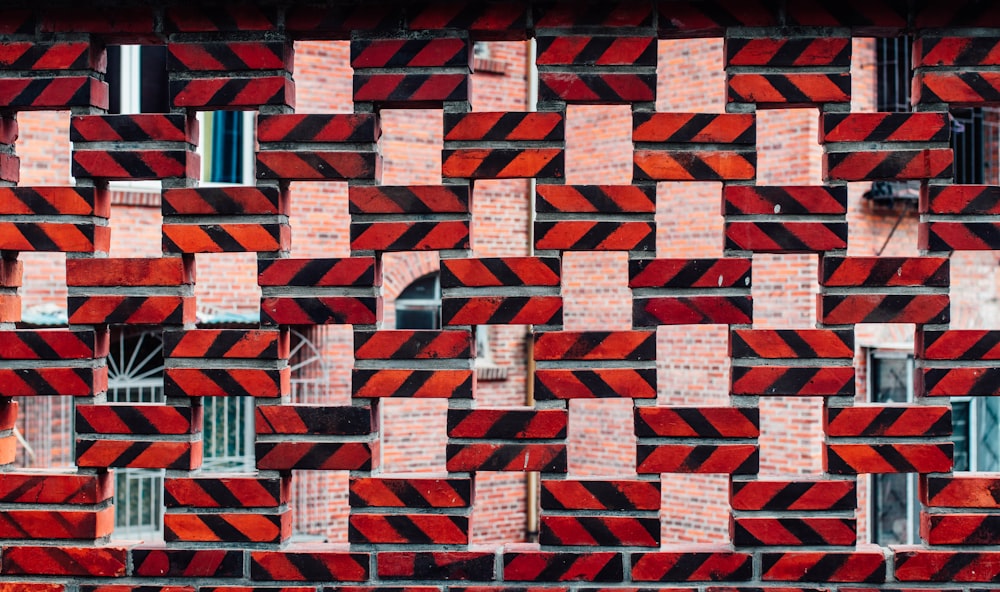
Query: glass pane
point(988, 420)
point(960, 424)
point(889, 507)
point(226, 151)
point(890, 379)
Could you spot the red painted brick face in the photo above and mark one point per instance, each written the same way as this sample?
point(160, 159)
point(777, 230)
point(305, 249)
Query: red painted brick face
point(658, 279)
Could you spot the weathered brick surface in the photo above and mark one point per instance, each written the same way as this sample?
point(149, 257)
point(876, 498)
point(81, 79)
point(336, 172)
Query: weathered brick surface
point(798, 529)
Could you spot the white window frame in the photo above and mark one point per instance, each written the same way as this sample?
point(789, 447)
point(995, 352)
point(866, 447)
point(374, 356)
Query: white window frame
point(912, 503)
point(129, 101)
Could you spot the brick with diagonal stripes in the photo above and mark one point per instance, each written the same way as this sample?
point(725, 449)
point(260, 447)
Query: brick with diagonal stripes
point(309, 566)
point(753, 531)
point(546, 458)
point(906, 421)
point(130, 310)
point(959, 382)
point(493, 21)
point(507, 424)
point(136, 165)
point(960, 491)
point(865, 15)
point(613, 16)
point(885, 127)
point(140, 127)
point(597, 87)
point(187, 563)
point(53, 344)
point(602, 199)
point(601, 531)
point(887, 165)
point(412, 345)
point(508, 310)
point(798, 495)
point(226, 382)
point(692, 310)
point(735, 459)
point(136, 418)
point(75, 382)
point(548, 566)
point(337, 310)
point(960, 529)
point(232, 91)
point(594, 345)
point(227, 527)
point(223, 201)
point(473, 566)
point(503, 163)
point(55, 487)
point(816, 381)
point(235, 56)
point(219, 18)
point(958, 344)
point(50, 93)
point(959, 236)
point(136, 454)
point(225, 492)
point(792, 343)
point(337, 21)
point(785, 52)
point(301, 128)
point(697, 128)
point(252, 344)
point(835, 309)
point(595, 50)
point(884, 271)
point(353, 271)
point(313, 419)
point(54, 201)
point(694, 422)
point(608, 495)
point(226, 237)
point(383, 492)
point(565, 383)
point(385, 236)
point(794, 88)
point(101, 561)
point(408, 199)
point(594, 235)
point(500, 271)
point(967, 87)
point(689, 273)
point(410, 90)
point(938, 50)
point(917, 564)
point(408, 529)
point(409, 53)
point(54, 237)
point(784, 199)
point(917, 457)
point(56, 524)
point(323, 456)
point(316, 165)
point(691, 566)
point(59, 55)
point(504, 126)
point(785, 237)
point(419, 384)
point(860, 565)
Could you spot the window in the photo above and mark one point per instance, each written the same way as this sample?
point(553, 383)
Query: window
point(138, 83)
point(893, 75)
point(135, 375)
point(976, 434)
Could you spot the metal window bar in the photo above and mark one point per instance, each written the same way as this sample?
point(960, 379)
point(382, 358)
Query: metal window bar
point(893, 73)
point(967, 144)
point(228, 434)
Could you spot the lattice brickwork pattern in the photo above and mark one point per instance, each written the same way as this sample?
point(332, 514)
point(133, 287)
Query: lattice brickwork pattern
point(234, 530)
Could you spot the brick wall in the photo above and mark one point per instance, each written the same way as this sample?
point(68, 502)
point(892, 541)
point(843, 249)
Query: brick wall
point(696, 409)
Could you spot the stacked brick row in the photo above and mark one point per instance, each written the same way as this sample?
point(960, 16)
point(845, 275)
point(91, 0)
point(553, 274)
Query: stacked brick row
point(235, 528)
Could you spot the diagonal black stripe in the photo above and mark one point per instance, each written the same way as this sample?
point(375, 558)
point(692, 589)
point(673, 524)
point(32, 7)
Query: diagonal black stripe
point(220, 493)
point(38, 204)
point(223, 343)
